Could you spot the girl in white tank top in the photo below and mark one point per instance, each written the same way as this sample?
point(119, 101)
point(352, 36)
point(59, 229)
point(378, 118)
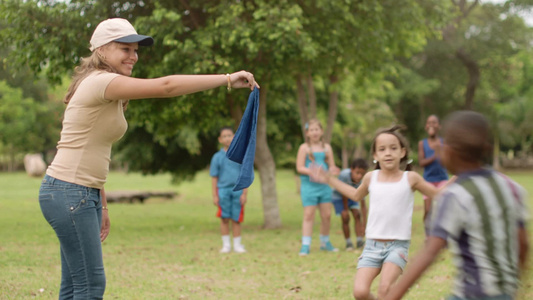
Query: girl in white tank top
point(390, 211)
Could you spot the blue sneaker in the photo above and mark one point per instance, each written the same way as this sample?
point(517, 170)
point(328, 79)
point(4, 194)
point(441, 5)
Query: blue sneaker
point(328, 247)
point(304, 250)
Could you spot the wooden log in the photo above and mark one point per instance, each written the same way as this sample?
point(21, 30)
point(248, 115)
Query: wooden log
point(141, 196)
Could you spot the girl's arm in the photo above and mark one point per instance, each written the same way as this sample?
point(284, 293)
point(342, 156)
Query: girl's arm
point(422, 160)
point(124, 87)
point(300, 160)
point(419, 184)
point(356, 194)
point(331, 161)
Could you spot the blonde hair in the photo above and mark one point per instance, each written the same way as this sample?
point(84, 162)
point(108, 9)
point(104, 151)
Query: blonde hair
point(310, 153)
point(95, 62)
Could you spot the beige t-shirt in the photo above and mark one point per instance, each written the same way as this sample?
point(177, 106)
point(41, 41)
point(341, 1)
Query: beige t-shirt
point(90, 126)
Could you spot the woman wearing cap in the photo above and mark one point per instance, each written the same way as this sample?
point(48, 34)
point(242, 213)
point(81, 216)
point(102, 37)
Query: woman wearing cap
point(72, 196)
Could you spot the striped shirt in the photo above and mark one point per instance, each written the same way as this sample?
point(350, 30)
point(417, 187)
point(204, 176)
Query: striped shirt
point(479, 215)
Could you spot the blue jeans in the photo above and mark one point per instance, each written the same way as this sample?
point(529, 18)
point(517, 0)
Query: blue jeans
point(75, 214)
point(499, 297)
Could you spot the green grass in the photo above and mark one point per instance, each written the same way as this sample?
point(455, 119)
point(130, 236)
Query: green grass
point(168, 249)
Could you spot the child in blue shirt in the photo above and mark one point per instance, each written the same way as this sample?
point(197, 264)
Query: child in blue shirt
point(343, 205)
point(224, 174)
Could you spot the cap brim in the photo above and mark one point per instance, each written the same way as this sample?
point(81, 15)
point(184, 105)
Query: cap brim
point(143, 40)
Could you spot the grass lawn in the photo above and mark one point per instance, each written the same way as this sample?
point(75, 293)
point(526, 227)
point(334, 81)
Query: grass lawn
point(168, 249)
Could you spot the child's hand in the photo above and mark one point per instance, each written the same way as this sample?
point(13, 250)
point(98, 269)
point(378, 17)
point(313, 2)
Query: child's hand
point(215, 200)
point(243, 199)
point(335, 171)
point(318, 174)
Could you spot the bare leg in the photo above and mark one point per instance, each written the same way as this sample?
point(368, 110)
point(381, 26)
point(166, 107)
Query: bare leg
point(363, 281)
point(325, 216)
point(236, 227)
point(389, 274)
point(309, 218)
point(359, 223)
point(224, 226)
point(345, 217)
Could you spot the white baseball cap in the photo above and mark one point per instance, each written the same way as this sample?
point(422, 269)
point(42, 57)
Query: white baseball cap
point(117, 30)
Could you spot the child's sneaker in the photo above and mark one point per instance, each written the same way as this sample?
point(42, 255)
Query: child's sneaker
point(239, 248)
point(360, 244)
point(304, 250)
point(349, 247)
point(328, 247)
point(225, 249)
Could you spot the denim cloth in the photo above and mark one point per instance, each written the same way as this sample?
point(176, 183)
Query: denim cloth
point(242, 147)
point(376, 253)
point(339, 205)
point(75, 214)
point(499, 297)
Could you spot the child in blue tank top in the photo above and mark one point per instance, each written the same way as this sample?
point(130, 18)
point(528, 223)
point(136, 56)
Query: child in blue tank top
point(315, 152)
point(428, 158)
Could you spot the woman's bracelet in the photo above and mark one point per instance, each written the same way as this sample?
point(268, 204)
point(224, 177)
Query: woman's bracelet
point(104, 207)
point(229, 81)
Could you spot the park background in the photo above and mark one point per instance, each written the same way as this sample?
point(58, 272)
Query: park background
point(355, 65)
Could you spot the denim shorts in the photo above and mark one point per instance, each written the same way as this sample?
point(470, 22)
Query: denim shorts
point(339, 205)
point(499, 297)
point(375, 253)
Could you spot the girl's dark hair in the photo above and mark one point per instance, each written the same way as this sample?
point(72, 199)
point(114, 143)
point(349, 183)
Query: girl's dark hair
point(359, 163)
point(395, 130)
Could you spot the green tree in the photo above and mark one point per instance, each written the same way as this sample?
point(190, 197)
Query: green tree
point(19, 124)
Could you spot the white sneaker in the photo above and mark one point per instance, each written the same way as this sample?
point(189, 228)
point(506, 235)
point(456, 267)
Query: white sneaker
point(239, 248)
point(225, 249)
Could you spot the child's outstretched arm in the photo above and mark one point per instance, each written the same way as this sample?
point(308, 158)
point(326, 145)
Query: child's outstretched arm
point(420, 263)
point(356, 194)
point(331, 161)
point(523, 250)
point(419, 184)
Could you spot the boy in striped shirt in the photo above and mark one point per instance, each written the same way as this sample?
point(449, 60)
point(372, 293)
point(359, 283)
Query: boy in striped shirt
point(481, 217)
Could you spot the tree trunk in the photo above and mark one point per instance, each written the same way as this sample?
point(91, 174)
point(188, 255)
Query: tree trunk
point(235, 111)
point(496, 153)
point(312, 96)
point(344, 157)
point(473, 76)
point(302, 104)
point(266, 167)
point(332, 108)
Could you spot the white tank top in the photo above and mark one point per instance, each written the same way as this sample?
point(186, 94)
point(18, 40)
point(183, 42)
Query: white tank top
point(390, 212)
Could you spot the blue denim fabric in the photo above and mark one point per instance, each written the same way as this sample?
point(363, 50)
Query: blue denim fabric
point(242, 147)
point(376, 253)
point(75, 214)
point(499, 297)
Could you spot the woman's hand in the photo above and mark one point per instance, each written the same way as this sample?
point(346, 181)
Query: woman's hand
point(243, 79)
point(106, 225)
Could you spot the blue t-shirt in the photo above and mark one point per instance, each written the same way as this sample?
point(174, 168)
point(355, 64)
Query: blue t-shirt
point(226, 170)
point(346, 177)
point(434, 172)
